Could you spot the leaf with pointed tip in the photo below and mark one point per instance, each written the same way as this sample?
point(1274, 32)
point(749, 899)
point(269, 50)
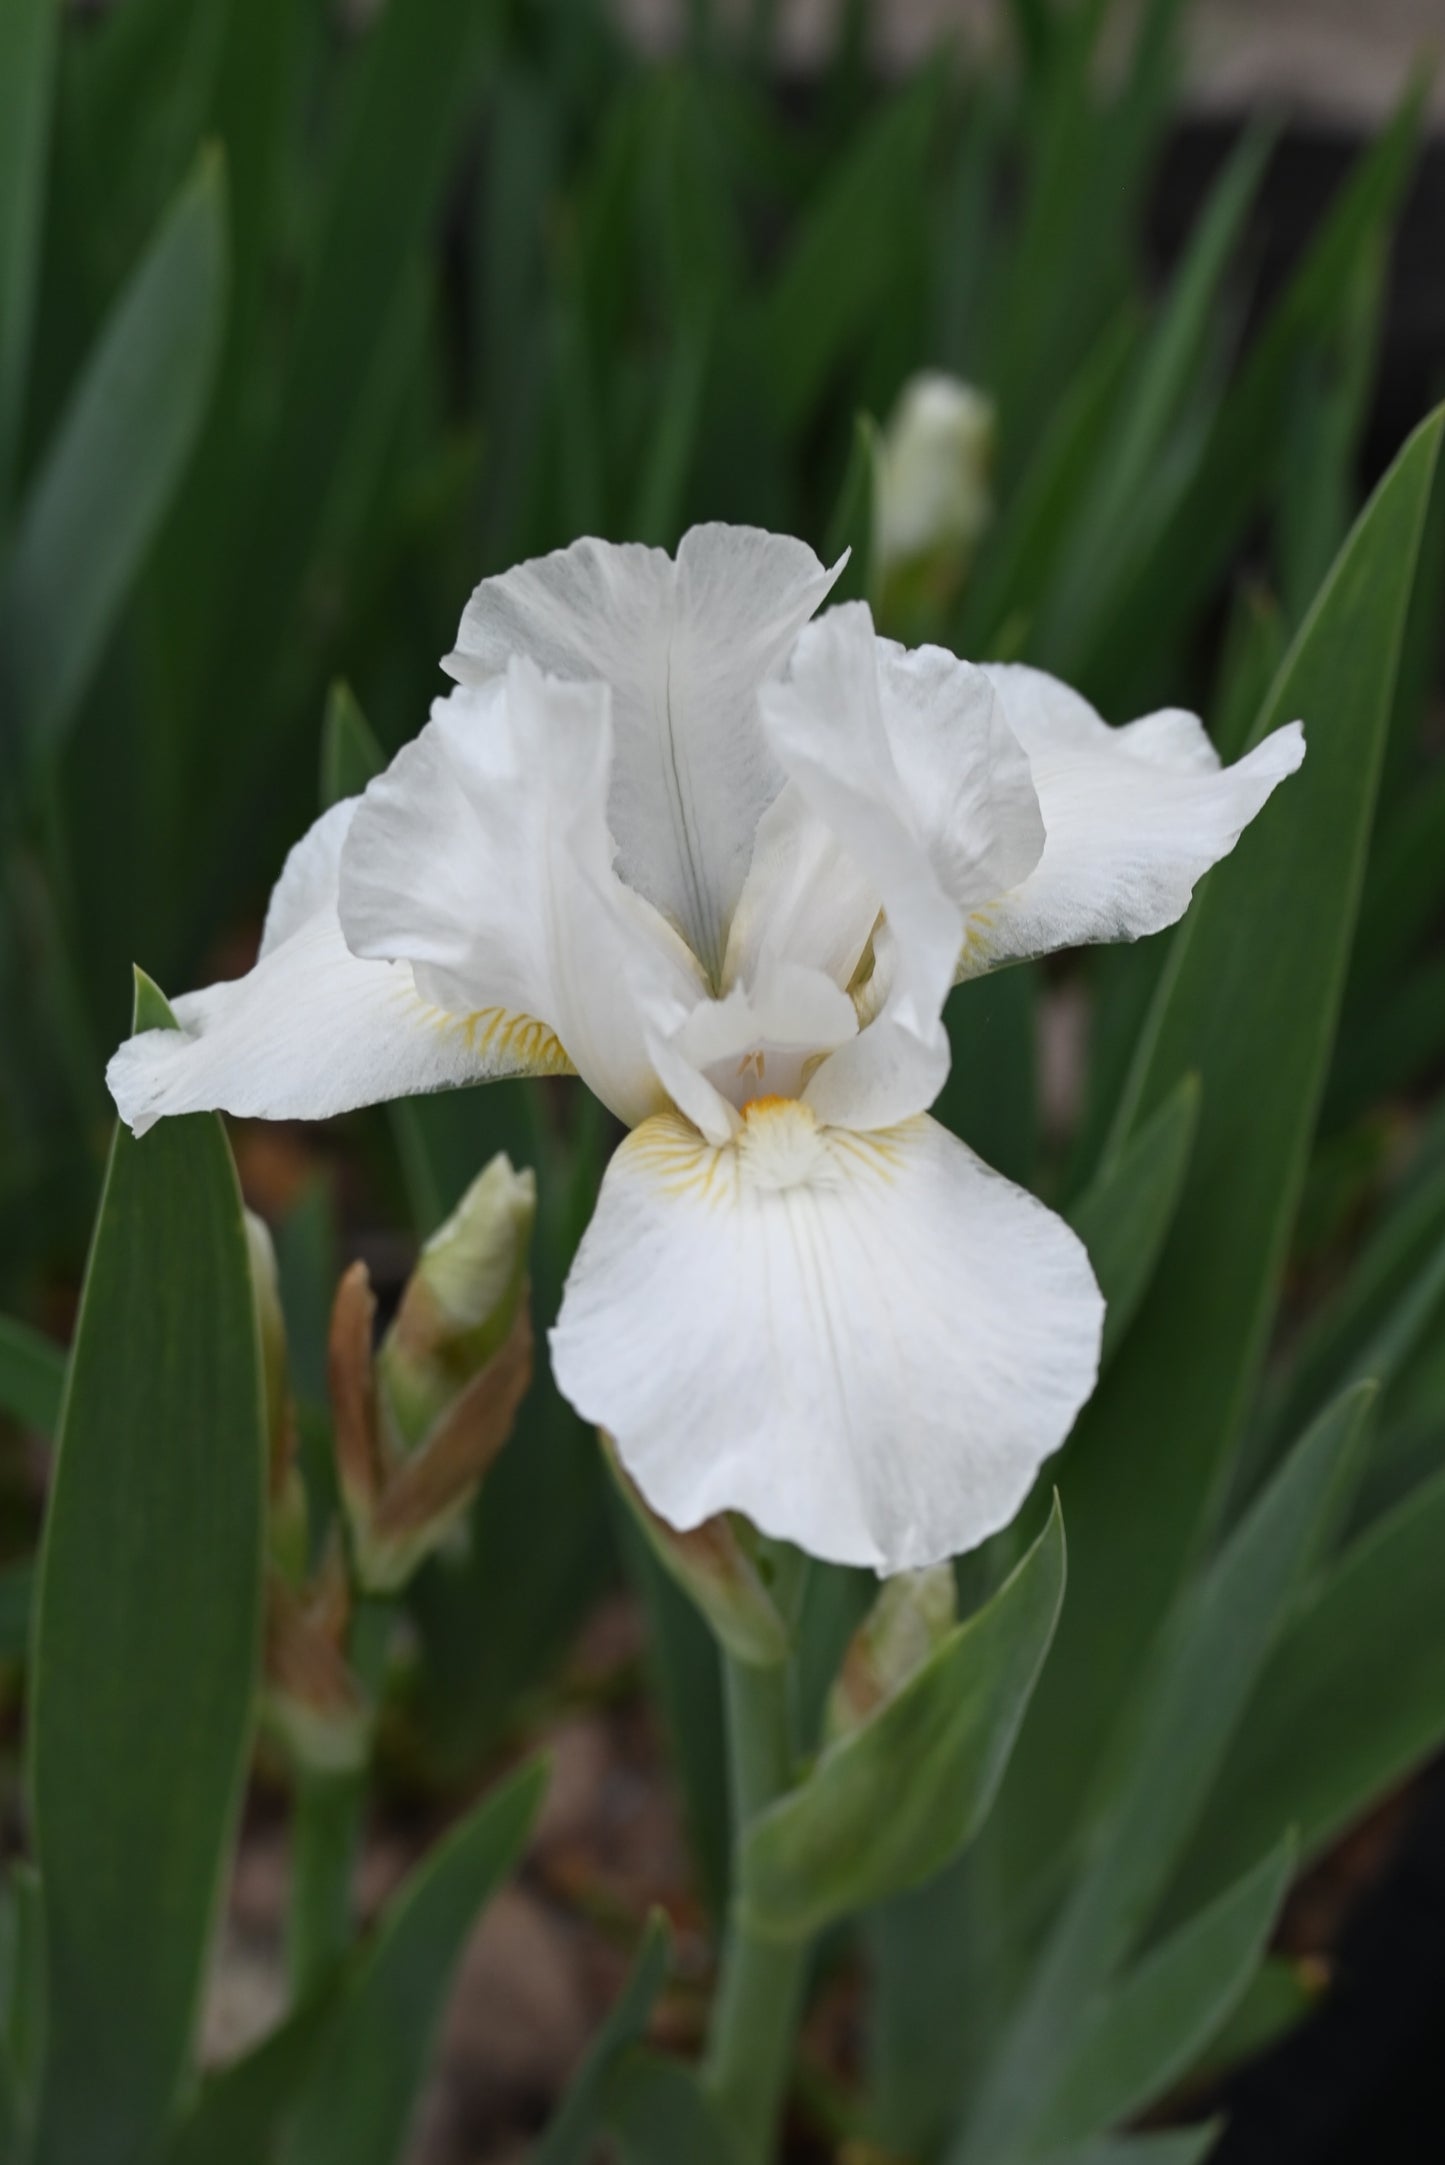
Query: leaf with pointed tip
point(1254, 1018)
point(357, 2102)
point(659, 2114)
point(239, 2111)
point(148, 1626)
point(350, 754)
point(1165, 1761)
point(1162, 2015)
point(578, 2120)
point(1352, 1700)
point(854, 522)
point(887, 1805)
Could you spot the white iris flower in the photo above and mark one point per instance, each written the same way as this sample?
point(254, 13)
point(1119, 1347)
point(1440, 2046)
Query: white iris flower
point(726, 864)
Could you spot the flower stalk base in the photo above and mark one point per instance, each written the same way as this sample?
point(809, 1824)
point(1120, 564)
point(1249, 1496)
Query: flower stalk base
point(760, 1993)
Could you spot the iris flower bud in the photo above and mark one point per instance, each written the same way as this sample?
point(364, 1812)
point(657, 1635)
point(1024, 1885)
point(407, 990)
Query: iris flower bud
point(910, 1619)
point(418, 1424)
point(286, 1494)
point(933, 481)
point(713, 1566)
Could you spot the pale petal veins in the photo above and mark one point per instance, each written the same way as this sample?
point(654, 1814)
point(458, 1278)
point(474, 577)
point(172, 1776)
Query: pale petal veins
point(685, 646)
point(482, 858)
point(866, 1343)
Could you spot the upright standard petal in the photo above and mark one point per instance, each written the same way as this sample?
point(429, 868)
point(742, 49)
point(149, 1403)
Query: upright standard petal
point(805, 900)
point(1134, 818)
point(482, 859)
point(311, 1030)
point(966, 776)
point(826, 723)
point(866, 1343)
point(685, 646)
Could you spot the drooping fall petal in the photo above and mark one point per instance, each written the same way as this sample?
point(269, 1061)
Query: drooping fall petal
point(866, 1343)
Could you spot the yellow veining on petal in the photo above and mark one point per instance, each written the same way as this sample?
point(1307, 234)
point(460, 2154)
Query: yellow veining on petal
point(876, 1150)
point(497, 1037)
point(780, 1145)
point(682, 1162)
point(977, 943)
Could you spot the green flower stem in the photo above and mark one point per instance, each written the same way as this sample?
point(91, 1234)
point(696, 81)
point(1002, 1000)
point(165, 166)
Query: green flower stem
point(326, 1829)
point(760, 1994)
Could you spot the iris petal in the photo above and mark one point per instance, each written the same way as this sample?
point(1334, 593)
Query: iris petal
point(866, 1343)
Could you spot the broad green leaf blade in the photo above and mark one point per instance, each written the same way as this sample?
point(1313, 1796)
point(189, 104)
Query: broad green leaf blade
point(357, 2104)
point(1170, 1753)
point(350, 754)
point(148, 1634)
point(109, 474)
point(659, 2114)
point(238, 2113)
point(888, 1805)
point(32, 1376)
point(29, 33)
point(1123, 1219)
point(1351, 1702)
point(577, 2123)
point(1249, 1003)
point(1164, 2012)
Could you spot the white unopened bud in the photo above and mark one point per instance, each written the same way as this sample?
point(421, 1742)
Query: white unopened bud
point(933, 474)
point(460, 1301)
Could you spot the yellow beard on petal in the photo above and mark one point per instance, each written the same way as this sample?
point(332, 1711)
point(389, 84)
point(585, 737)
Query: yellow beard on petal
point(780, 1145)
